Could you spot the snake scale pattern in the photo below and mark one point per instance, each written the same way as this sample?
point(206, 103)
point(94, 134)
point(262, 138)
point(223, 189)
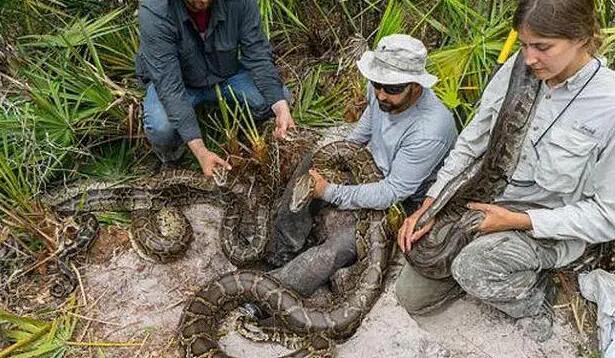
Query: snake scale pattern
point(203, 315)
point(159, 231)
point(482, 181)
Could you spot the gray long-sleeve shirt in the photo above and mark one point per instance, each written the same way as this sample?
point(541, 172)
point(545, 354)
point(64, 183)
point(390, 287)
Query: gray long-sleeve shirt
point(570, 170)
point(173, 55)
point(407, 148)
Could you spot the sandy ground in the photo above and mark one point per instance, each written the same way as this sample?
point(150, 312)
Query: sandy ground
point(125, 299)
point(128, 299)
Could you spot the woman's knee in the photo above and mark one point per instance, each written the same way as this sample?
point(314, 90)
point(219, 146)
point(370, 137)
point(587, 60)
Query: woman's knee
point(419, 294)
point(477, 272)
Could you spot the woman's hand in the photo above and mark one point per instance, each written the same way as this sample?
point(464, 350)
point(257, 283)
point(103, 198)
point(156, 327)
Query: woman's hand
point(498, 218)
point(406, 235)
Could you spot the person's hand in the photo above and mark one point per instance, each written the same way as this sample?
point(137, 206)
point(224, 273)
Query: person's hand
point(320, 184)
point(406, 235)
point(498, 218)
point(283, 119)
point(207, 160)
point(211, 161)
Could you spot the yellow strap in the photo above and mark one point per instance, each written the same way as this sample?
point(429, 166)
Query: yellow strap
point(507, 48)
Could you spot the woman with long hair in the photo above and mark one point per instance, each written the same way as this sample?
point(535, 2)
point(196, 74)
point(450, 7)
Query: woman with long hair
point(558, 198)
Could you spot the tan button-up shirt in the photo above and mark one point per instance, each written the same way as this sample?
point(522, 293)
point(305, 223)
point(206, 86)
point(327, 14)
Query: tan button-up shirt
point(569, 169)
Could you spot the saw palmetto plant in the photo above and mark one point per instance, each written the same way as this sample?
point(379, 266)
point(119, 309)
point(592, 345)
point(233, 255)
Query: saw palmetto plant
point(70, 102)
point(30, 337)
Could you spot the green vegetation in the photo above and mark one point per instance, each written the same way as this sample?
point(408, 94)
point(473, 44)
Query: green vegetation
point(70, 104)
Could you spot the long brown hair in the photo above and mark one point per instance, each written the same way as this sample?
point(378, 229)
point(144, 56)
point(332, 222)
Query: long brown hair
point(569, 19)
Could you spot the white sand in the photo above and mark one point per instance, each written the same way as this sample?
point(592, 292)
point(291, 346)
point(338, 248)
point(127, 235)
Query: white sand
point(137, 299)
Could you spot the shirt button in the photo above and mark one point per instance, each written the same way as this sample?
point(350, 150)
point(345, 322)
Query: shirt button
point(524, 157)
point(535, 128)
point(548, 96)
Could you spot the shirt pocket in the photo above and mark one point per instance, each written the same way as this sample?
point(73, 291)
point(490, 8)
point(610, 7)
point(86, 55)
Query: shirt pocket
point(223, 56)
point(563, 157)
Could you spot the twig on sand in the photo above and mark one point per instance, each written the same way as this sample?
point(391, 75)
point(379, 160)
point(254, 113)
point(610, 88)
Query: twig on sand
point(106, 344)
point(93, 319)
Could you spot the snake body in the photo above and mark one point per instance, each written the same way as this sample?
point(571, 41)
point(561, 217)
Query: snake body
point(482, 181)
point(205, 311)
point(86, 232)
point(159, 231)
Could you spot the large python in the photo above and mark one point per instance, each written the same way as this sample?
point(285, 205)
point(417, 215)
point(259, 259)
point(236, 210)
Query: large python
point(202, 316)
point(160, 232)
point(482, 181)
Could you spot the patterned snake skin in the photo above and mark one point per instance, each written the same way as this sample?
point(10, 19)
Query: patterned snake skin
point(160, 232)
point(86, 231)
point(204, 313)
point(483, 181)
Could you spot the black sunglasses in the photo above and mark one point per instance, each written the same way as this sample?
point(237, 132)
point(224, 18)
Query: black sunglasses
point(390, 89)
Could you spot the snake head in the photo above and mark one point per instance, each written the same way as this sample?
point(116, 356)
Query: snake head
point(302, 193)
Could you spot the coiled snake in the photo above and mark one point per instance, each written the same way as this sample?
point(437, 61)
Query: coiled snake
point(205, 311)
point(160, 232)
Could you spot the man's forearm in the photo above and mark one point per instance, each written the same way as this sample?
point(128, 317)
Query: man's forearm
point(279, 107)
point(377, 195)
point(197, 147)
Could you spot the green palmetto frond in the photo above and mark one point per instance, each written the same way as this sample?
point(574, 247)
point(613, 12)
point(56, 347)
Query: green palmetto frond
point(472, 38)
point(37, 338)
point(249, 129)
point(606, 12)
point(314, 107)
point(66, 117)
point(73, 95)
point(117, 50)
point(226, 128)
point(111, 161)
point(265, 8)
point(393, 21)
point(32, 15)
point(79, 32)
point(17, 184)
point(608, 47)
point(281, 12)
point(26, 161)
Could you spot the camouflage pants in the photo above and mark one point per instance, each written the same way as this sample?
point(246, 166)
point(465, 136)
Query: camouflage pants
point(506, 270)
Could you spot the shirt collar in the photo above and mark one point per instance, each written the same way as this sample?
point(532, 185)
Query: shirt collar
point(218, 12)
point(583, 75)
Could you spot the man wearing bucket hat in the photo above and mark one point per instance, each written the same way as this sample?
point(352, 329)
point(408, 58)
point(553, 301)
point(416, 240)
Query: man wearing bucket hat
point(409, 132)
